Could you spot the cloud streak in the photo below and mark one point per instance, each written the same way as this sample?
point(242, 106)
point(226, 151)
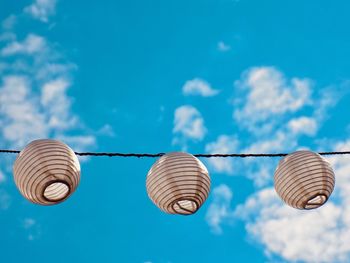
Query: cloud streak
point(188, 125)
point(198, 87)
point(41, 9)
point(219, 210)
point(31, 45)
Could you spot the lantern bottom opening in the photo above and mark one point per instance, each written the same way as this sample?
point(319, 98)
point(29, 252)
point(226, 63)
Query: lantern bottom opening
point(185, 206)
point(316, 201)
point(56, 191)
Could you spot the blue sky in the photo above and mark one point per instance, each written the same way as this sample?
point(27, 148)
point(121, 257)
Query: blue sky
point(160, 76)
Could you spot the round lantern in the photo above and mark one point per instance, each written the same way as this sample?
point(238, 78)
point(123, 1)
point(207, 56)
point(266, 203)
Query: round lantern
point(178, 183)
point(304, 180)
point(46, 172)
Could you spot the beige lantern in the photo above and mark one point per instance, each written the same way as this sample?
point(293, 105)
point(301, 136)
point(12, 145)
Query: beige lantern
point(178, 183)
point(304, 180)
point(46, 172)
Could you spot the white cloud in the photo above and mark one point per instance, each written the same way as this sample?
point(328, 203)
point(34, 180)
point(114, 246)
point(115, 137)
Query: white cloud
point(31, 45)
point(188, 124)
point(303, 125)
point(308, 236)
point(26, 115)
point(24, 119)
point(270, 108)
point(106, 130)
point(219, 210)
point(223, 144)
point(57, 104)
point(222, 46)
point(52, 90)
point(269, 95)
point(41, 9)
point(278, 141)
point(55, 70)
point(328, 98)
point(20, 117)
point(198, 87)
point(33, 95)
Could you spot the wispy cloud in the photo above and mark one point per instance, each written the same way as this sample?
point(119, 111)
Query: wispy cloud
point(223, 144)
point(188, 125)
point(106, 130)
point(270, 94)
point(220, 210)
point(31, 45)
point(303, 125)
point(223, 47)
point(57, 104)
point(198, 87)
point(20, 117)
point(41, 9)
point(271, 113)
point(26, 115)
point(33, 94)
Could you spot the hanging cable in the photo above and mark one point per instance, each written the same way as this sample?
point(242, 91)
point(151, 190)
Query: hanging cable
point(203, 155)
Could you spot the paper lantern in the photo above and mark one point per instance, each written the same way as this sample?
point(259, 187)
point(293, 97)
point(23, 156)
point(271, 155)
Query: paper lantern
point(46, 172)
point(304, 180)
point(178, 183)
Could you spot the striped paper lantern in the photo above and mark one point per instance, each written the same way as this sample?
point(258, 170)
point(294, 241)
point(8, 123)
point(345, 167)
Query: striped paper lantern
point(304, 180)
point(46, 172)
point(178, 183)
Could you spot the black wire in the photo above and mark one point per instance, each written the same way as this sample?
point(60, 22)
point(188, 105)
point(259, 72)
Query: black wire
point(153, 155)
point(9, 151)
point(110, 154)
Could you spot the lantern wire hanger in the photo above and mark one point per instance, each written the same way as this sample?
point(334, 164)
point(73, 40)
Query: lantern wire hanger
point(202, 155)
